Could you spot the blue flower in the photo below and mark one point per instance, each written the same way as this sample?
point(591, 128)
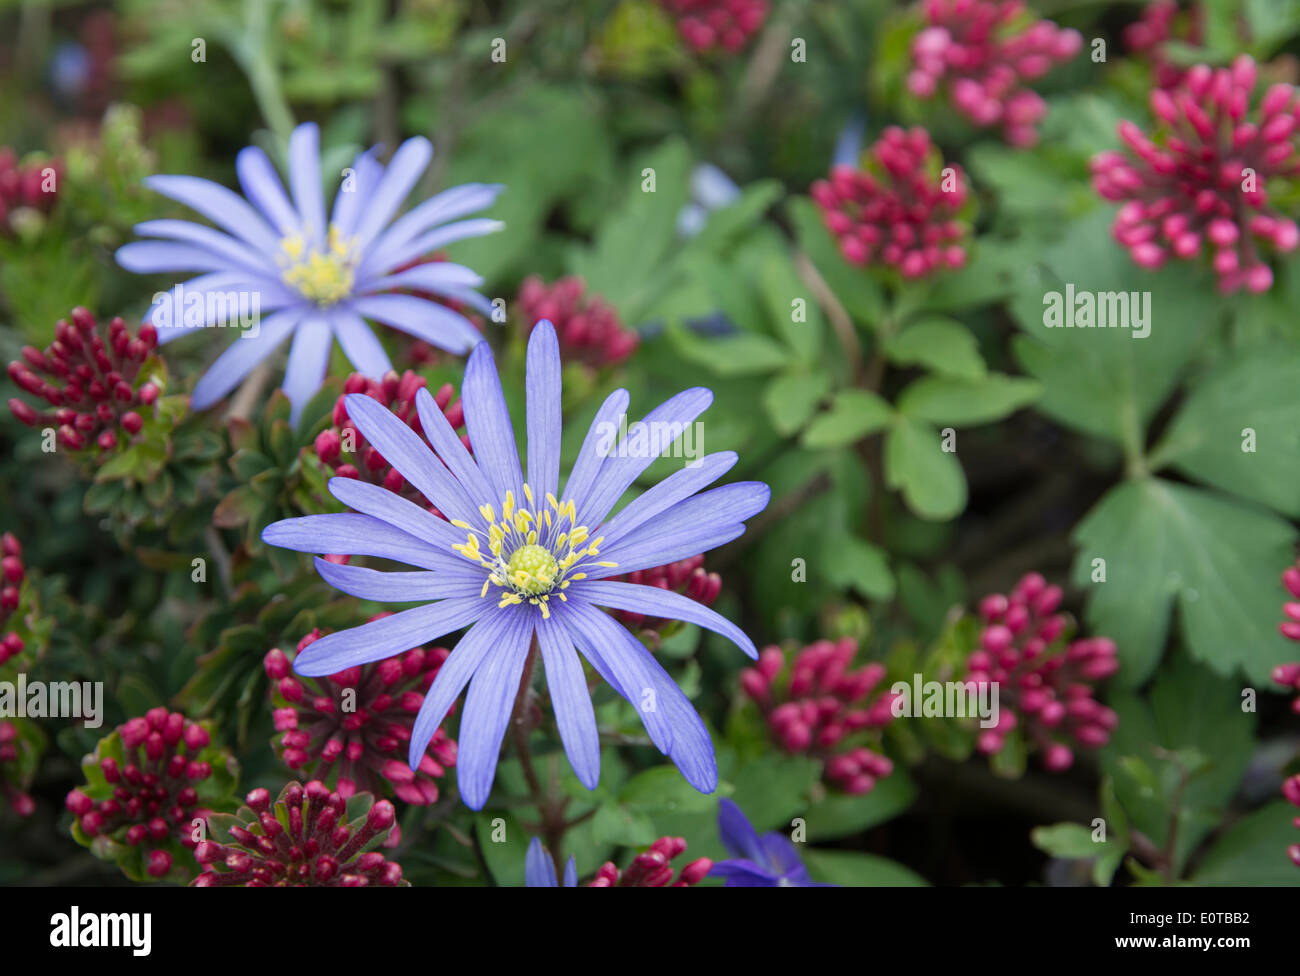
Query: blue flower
point(321, 279)
point(539, 869)
point(770, 861)
point(526, 564)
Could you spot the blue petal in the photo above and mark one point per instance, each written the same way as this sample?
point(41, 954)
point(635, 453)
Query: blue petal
point(684, 541)
point(451, 451)
point(720, 510)
point(387, 636)
point(542, 382)
point(656, 602)
point(382, 261)
point(399, 512)
point(221, 206)
point(677, 487)
point(488, 707)
point(738, 834)
point(451, 204)
point(571, 701)
point(488, 422)
point(152, 257)
point(309, 358)
point(464, 660)
point(590, 457)
point(305, 180)
point(239, 358)
point(397, 587)
point(355, 191)
point(670, 719)
point(435, 324)
point(621, 469)
point(359, 344)
point(571, 873)
point(265, 191)
point(212, 291)
point(743, 874)
point(346, 533)
point(402, 447)
point(539, 869)
point(232, 252)
point(404, 169)
point(435, 276)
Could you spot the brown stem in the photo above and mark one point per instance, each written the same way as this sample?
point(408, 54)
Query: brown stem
point(550, 808)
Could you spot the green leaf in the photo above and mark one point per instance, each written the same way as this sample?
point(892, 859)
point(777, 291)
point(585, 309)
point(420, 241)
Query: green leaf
point(839, 814)
point(1105, 382)
point(639, 235)
point(1066, 840)
point(1207, 439)
point(850, 869)
point(505, 858)
point(1253, 850)
point(1218, 558)
point(798, 319)
point(741, 354)
point(853, 414)
point(947, 400)
point(851, 563)
point(940, 344)
point(931, 480)
point(789, 400)
point(1181, 752)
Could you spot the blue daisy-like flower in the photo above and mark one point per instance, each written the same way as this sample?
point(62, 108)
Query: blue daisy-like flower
point(539, 869)
point(321, 279)
point(520, 561)
point(770, 861)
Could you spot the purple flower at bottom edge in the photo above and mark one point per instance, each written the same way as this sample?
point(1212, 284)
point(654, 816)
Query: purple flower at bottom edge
point(516, 563)
point(770, 861)
point(539, 869)
point(321, 278)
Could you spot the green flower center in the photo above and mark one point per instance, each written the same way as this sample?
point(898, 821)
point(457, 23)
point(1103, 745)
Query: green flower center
point(532, 570)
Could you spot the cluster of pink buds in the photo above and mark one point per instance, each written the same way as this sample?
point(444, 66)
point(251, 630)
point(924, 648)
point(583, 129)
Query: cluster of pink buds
point(985, 51)
point(19, 800)
point(1291, 790)
point(686, 576)
point(1288, 675)
point(902, 209)
point(11, 580)
point(652, 869)
point(88, 377)
point(1160, 22)
point(302, 841)
point(32, 187)
point(347, 453)
point(820, 704)
point(1043, 689)
point(710, 25)
point(1199, 184)
point(154, 799)
point(420, 352)
point(588, 327)
point(353, 729)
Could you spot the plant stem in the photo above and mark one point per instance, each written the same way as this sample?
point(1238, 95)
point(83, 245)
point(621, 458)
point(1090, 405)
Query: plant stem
point(550, 808)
